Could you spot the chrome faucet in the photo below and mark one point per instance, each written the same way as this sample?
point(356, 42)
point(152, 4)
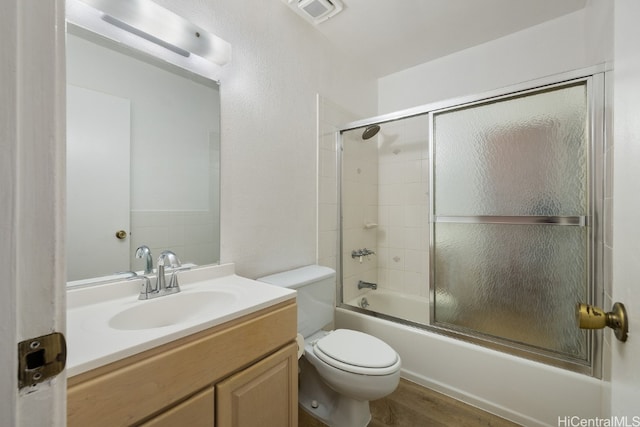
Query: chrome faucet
point(144, 252)
point(166, 259)
point(370, 285)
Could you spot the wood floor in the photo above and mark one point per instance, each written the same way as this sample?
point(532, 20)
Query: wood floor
point(414, 406)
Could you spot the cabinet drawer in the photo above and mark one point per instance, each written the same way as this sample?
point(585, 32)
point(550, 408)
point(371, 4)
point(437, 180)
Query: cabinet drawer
point(197, 411)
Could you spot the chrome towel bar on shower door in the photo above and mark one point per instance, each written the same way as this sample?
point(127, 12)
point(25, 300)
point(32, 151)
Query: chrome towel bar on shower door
point(580, 221)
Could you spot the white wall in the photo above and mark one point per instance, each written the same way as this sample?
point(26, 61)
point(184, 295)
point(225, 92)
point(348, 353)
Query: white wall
point(569, 42)
point(269, 127)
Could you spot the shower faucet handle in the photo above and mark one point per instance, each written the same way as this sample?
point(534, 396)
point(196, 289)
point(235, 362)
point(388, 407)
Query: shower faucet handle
point(360, 253)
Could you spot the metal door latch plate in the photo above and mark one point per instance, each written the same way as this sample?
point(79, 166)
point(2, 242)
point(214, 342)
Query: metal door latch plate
point(40, 359)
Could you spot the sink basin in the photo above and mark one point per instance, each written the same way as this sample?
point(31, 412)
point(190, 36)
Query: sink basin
point(172, 309)
point(107, 323)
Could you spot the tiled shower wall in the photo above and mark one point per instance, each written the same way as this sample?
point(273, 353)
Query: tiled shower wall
point(385, 182)
point(403, 232)
point(359, 211)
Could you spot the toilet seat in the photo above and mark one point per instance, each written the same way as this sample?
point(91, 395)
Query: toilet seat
point(356, 352)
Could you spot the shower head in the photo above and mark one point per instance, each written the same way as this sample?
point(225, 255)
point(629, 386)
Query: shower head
point(370, 131)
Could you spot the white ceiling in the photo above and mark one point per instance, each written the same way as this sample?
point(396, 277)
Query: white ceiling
point(392, 35)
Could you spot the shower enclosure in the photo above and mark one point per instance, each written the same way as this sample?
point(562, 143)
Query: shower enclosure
point(480, 218)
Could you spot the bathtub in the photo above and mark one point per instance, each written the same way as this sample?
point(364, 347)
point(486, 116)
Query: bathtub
point(521, 390)
point(409, 307)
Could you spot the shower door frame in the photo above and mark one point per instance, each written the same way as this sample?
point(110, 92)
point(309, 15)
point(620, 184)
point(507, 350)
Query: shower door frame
point(594, 77)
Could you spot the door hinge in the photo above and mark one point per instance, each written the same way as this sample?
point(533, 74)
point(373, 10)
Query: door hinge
point(40, 359)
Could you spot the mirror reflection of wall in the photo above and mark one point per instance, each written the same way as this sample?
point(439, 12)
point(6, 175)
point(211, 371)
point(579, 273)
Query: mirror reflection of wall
point(143, 156)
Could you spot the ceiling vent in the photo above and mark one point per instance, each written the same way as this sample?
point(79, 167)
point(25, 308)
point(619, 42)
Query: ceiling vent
point(316, 11)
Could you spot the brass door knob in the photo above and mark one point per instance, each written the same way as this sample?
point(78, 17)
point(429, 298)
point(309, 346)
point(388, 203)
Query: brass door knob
point(590, 317)
point(121, 234)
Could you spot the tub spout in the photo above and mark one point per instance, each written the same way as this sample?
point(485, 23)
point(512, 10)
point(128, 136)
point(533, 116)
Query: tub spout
point(362, 284)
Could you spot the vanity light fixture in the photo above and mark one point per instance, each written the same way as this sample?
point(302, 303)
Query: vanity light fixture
point(118, 23)
point(151, 22)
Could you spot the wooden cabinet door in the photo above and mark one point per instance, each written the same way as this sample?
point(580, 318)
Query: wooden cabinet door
point(197, 411)
point(263, 395)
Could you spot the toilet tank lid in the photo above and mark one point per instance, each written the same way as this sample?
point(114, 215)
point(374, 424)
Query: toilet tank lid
point(299, 277)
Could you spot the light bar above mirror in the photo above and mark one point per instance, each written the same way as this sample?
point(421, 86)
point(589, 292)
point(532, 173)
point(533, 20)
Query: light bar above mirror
point(149, 27)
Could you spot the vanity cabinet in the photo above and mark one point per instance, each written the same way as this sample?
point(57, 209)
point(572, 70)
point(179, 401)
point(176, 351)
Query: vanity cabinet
point(261, 395)
point(241, 373)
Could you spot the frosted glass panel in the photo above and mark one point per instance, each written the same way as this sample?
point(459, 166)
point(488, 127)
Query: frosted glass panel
point(525, 155)
point(517, 282)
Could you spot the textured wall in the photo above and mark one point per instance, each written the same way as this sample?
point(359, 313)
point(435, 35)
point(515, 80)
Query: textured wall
point(269, 127)
point(576, 40)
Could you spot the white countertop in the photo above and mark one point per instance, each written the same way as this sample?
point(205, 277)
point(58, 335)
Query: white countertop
point(92, 342)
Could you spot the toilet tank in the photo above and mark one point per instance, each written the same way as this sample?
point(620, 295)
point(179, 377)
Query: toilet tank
point(316, 291)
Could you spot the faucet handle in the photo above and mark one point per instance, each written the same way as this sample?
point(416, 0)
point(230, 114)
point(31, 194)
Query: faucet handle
point(146, 289)
point(169, 259)
point(173, 282)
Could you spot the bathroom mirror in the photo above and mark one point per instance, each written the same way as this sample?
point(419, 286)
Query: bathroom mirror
point(143, 160)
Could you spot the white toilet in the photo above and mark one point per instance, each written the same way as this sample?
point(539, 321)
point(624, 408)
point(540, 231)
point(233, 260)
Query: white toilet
point(341, 370)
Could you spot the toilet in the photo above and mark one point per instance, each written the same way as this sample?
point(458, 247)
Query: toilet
point(341, 370)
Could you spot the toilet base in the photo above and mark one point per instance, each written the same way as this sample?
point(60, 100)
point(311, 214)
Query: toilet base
point(325, 404)
point(350, 412)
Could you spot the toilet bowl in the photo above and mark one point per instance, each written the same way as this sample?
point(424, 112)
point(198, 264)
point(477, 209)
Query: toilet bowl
point(341, 370)
point(355, 364)
point(345, 370)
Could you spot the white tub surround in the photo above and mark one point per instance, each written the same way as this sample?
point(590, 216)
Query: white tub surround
point(403, 306)
point(94, 339)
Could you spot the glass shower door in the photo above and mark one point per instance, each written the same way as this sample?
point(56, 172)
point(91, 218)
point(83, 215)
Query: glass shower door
point(511, 200)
